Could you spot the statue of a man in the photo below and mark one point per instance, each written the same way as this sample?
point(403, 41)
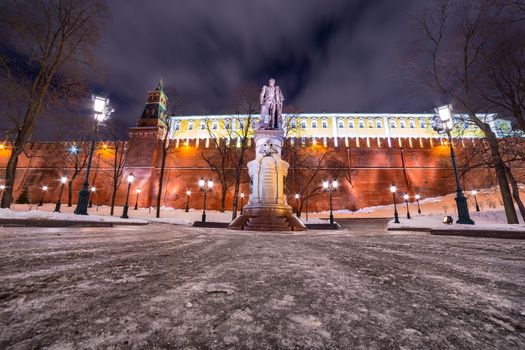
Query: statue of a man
point(271, 105)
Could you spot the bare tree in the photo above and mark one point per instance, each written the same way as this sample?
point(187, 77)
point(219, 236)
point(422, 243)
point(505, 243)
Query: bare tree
point(76, 155)
point(246, 108)
point(219, 161)
point(42, 44)
point(306, 171)
point(450, 39)
point(118, 152)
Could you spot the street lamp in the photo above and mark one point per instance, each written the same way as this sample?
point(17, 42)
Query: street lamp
point(205, 186)
point(417, 200)
point(445, 115)
point(130, 179)
point(44, 190)
point(474, 193)
point(406, 203)
point(330, 186)
point(393, 189)
point(188, 194)
point(102, 111)
point(63, 180)
point(138, 190)
point(242, 200)
point(91, 194)
point(297, 204)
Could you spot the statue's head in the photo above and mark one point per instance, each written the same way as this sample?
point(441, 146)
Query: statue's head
point(271, 82)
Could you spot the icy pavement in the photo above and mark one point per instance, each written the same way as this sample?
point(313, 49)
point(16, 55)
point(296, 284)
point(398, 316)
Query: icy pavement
point(167, 286)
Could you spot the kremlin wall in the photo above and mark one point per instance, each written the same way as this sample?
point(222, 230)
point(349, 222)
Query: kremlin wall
point(418, 163)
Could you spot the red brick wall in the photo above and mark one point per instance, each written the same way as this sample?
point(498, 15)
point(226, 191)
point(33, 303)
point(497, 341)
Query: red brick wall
point(422, 168)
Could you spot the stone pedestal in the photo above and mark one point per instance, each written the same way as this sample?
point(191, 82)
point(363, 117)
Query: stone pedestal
point(267, 209)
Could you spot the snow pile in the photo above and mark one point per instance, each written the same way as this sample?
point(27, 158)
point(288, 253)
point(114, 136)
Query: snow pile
point(487, 221)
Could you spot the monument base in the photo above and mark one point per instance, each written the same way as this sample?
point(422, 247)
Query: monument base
point(267, 209)
point(267, 218)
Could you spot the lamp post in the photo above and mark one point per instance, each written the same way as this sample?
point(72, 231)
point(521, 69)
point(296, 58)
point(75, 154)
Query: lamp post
point(91, 194)
point(102, 111)
point(130, 179)
point(445, 115)
point(138, 190)
point(2, 189)
point(297, 204)
point(188, 194)
point(474, 193)
point(205, 186)
point(393, 189)
point(242, 200)
point(417, 200)
point(406, 203)
point(63, 181)
point(44, 190)
point(330, 186)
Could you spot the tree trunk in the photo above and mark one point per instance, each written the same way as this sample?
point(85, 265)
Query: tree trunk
point(501, 176)
point(161, 179)
point(516, 192)
point(238, 174)
point(10, 174)
point(113, 196)
point(224, 192)
point(70, 193)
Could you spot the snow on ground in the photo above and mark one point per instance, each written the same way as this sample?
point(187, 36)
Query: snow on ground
point(175, 287)
point(50, 215)
point(487, 221)
point(432, 209)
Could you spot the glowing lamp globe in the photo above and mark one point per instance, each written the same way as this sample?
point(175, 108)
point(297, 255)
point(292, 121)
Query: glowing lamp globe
point(44, 188)
point(335, 184)
point(210, 183)
point(93, 188)
point(405, 196)
point(201, 183)
point(445, 115)
point(131, 178)
point(63, 179)
point(393, 188)
point(325, 184)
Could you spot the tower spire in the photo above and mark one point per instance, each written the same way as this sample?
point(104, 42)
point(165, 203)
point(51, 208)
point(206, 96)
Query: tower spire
point(160, 86)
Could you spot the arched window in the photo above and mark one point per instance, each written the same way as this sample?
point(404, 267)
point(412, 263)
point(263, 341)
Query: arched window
point(393, 123)
point(370, 123)
point(402, 124)
point(303, 124)
point(177, 125)
point(324, 123)
point(314, 123)
point(293, 123)
point(422, 123)
point(190, 124)
point(379, 124)
point(202, 124)
point(351, 123)
point(227, 124)
point(361, 123)
point(215, 124)
point(340, 123)
point(412, 123)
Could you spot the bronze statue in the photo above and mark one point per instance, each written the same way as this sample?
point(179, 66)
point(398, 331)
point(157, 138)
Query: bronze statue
point(271, 100)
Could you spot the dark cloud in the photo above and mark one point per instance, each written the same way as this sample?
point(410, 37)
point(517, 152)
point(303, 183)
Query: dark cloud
point(327, 55)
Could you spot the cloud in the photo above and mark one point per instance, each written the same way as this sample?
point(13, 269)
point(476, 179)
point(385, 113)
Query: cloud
point(329, 55)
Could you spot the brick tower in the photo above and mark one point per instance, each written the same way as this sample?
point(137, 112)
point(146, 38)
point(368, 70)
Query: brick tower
point(145, 143)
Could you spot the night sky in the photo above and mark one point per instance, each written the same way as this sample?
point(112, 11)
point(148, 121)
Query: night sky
point(327, 55)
